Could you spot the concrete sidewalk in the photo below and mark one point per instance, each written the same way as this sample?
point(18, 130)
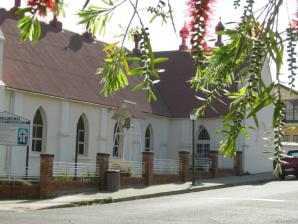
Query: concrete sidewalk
point(134, 193)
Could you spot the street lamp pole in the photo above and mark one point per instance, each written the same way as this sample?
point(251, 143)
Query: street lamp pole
point(193, 152)
point(193, 118)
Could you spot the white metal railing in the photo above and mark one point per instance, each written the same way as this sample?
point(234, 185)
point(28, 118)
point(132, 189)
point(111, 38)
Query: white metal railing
point(200, 163)
point(165, 166)
point(30, 174)
point(67, 170)
point(132, 168)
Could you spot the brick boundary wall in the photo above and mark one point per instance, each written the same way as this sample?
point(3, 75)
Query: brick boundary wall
point(238, 164)
point(46, 175)
point(19, 191)
point(166, 178)
point(128, 182)
point(200, 174)
point(102, 161)
point(70, 185)
point(147, 158)
point(184, 165)
point(226, 172)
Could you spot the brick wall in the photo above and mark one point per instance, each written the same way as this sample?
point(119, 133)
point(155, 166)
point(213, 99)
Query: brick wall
point(226, 172)
point(126, 182)
point(70, 185)
point(8, 191)
point(166, 178)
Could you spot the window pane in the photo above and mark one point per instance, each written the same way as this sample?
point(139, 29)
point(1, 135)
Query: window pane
point(115, 151)
point(293, 153)
point(295, 138)
point(203, 135)
point(34, 131)
point(36, 145)
point(289, 111)
point(286, 138)
point(199, 148)
point(147, 143)
point(37, 118)
point(33, 145)
point(81, 149)
point(38, 132)
point(81, 136)
point(295, 112)
point(81, 124)
point(147, 134)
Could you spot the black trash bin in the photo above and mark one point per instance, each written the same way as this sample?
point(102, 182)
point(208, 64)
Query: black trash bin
point(113, 180)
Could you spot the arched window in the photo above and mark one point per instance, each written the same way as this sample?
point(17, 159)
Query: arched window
point(148, 139)
point(38, 132)
point(81, 139)
point(116, 139)
point(203, 143)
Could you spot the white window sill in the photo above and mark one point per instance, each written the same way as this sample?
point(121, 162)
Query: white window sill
point(34, 154)
point(81, 157)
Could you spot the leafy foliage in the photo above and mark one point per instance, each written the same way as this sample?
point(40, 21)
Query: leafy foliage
point(29, 25)
point(250, 46)
point(292, 60)
point(253, 44)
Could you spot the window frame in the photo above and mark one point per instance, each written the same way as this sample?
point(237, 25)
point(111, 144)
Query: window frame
point(291, 112)
point(116, 140)
point(203, 143)
point(35, 127)
point(148, 139)
point(81, 128)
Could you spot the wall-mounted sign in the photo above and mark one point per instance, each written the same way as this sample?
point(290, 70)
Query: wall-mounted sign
point(14, 130)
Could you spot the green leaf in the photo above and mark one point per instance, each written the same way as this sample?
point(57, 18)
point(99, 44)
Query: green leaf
point(138, 86)
point(159, 60)
point(125, 64)
point(200, 98)
point(133, 59)
point(110, 46)
point(135, 71)
point(23, 10)
point(289, 129)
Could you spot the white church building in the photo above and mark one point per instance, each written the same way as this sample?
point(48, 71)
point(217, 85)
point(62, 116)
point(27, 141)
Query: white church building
point(53, 84)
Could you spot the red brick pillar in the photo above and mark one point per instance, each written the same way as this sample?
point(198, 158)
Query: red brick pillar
point(46, 175)
point(238, 163)
point(184, 165)
point(102, 162)
point(214, 163)
point(147, 158)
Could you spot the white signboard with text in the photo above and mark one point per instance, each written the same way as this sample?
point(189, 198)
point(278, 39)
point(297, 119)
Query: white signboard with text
point(14, 130)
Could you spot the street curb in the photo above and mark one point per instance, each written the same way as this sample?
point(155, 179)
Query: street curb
point(160, 194)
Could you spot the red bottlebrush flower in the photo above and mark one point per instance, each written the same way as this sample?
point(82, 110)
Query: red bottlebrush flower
point(40, 7)
point(50, 4)
point(294, 22)
point(199, 11)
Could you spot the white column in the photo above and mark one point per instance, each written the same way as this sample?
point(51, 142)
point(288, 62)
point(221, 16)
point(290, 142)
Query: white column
point(4, 153)
point(185, 133)
point(18, 153)
point(63, 133)
point(2, 85)
point(103, 130)
point(2, 40)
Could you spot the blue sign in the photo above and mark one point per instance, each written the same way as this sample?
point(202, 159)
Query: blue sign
point(23, 134)
point(14, 130)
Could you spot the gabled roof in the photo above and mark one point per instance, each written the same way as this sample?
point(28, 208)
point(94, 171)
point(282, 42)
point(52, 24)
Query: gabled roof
point(63, 64)
point(176, 89)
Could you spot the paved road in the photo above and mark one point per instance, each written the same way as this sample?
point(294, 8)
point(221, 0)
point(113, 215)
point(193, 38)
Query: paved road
point(274, 202)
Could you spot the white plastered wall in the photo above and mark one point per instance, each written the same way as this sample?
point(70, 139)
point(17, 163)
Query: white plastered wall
point(254, 158)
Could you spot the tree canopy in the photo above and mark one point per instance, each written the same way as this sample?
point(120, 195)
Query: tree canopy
point(255, 40)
